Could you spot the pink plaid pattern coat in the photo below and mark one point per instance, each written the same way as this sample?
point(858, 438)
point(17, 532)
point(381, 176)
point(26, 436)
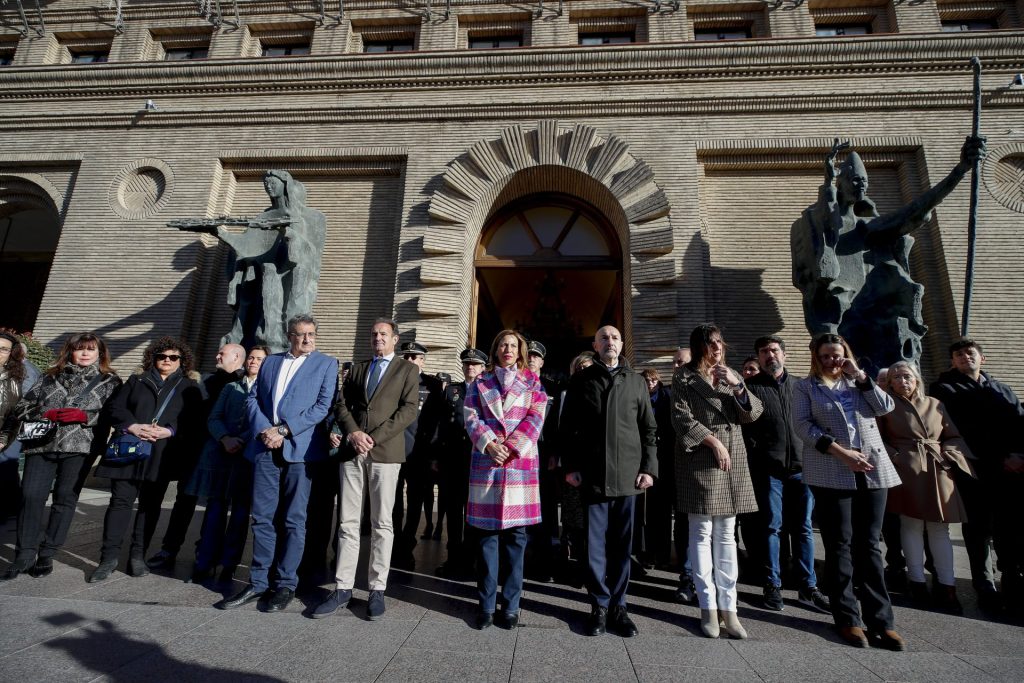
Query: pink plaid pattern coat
point(506, 496)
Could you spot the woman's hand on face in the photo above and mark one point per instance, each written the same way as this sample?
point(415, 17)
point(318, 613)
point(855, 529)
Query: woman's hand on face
point(851, 370)
point(721, 455)
point(723, 374)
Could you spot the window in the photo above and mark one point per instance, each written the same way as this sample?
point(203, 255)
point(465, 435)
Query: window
point(89, 57)
point(294, 50)
point(382, 46)
point(958, 25)
point(842, 30)
point(607, 38)
point(184, 53)
point(721, 33)
point(484, 43)
point(6, 57)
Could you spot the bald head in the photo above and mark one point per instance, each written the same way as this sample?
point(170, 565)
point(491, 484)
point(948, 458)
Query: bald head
point(608, 345)
point(230, 357)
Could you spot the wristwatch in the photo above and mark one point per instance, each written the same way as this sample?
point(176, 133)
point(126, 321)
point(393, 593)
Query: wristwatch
point(282, 430)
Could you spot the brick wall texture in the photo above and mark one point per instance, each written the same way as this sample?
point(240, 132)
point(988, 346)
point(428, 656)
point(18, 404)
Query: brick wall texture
point(700, 154)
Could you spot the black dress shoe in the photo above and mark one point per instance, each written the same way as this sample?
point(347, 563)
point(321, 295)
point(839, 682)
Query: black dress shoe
point(620, 623)
point(597, 624)
point(162, 560)
point(510, 621)
point(42, 567)
point(243, 597)
point(484, 620)
point(137, 568)
point(279, 600)
point(103, 571)
point(12, 572)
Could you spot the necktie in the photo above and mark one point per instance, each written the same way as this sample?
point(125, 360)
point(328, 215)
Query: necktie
point(376, 370)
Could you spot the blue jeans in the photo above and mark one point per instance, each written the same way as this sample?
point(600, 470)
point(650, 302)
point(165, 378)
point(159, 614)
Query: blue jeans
point(278, 486)
point(786, 504)
point(512, 543)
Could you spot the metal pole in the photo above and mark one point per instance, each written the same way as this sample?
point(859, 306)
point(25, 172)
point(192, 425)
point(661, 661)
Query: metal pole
point(972, 218)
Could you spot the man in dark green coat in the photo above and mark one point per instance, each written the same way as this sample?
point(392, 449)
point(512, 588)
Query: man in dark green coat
point(612, 464)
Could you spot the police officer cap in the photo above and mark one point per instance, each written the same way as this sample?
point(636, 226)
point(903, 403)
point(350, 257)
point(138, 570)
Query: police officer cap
point(535, 348)
point(414, 348)
point(473, 356)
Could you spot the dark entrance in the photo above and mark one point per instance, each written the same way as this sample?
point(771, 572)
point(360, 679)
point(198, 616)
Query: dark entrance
point(550, 266)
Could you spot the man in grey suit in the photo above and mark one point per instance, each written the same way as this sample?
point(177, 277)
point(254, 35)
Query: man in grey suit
point(287, 406)
point(380, 399)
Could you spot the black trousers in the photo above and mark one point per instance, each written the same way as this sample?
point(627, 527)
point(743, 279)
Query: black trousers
point(123, 493)
point(455, 481)
point(609, 541)
point(851, 526)
point(419, 491)
point(321, 521)
point(44, 471)
point(994, 507)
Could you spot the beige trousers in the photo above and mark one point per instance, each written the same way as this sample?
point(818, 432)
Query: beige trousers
point(379, 480)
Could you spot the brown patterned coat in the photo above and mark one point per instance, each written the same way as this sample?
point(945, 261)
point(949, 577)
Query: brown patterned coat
point(698, 409)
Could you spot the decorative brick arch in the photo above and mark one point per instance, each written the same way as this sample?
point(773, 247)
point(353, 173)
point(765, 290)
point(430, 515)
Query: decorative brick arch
point(26, 191)
point(573, 160)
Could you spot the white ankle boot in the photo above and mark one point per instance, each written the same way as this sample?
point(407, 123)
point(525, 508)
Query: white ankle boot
point(709, 622)
point(731, 624)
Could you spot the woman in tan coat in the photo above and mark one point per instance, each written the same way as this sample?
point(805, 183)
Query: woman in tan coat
point(709, 402)
point(925, 446)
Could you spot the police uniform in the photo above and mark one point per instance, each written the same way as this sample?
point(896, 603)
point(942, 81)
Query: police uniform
point(544, 535)
point(454, 453)
point(416, 471)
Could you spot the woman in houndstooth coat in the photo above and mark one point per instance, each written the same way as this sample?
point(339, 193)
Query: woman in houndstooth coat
point(504, 412)
point(709, 403)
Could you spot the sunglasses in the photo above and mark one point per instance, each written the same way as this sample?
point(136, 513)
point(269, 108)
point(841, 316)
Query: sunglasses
point(173, 357)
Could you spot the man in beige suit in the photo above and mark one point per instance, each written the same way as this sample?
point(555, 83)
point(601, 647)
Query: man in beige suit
point(379, 400)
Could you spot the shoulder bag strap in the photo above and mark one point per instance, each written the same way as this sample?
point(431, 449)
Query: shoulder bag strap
point(163, 406)
point(93, 383)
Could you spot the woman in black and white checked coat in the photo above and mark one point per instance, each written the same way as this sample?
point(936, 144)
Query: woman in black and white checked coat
point(849, 471)
point(709, 403)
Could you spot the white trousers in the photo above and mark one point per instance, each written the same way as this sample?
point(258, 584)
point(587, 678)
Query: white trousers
point(380, 480)
point(912, 533)
point(713, 559)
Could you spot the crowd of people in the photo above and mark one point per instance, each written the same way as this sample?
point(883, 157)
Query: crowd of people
point(588, 481)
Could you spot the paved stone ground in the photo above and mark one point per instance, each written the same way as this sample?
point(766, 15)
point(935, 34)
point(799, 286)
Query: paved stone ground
point(158, 628)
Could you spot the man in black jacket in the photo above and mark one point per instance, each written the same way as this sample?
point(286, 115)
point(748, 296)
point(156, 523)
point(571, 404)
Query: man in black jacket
point(416, 473)
point(230, 358)
point(453, 455)
point(611, 450)
point(784, 501)
point(991, 420)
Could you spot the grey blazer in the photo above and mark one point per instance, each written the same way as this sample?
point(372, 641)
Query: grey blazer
point(819, 420)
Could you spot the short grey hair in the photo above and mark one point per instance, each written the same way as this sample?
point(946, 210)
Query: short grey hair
point(386, 321)
point(302, 319)
point(899, 365)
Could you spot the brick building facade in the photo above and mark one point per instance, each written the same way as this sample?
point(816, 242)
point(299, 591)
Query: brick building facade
point(545, 165)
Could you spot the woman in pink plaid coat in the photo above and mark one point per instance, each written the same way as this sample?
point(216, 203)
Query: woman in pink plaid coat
point(504, 411)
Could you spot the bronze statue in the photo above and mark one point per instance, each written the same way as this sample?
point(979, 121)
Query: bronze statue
point(274, 263)
point(852, 265)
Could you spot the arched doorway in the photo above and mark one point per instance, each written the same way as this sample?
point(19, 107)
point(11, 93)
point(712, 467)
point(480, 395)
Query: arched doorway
point(29, 231)
point(549, 265)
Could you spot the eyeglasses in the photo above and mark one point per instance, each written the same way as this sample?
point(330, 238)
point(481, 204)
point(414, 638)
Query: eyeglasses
point(831, 357)
point(303, 335)
point(173, 357)
point(6, 349)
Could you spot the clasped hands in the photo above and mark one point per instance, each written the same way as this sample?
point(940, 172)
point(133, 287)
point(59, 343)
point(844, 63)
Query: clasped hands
point(149, 432)
point(362, 442)
point(271, 438)
point(498, 452)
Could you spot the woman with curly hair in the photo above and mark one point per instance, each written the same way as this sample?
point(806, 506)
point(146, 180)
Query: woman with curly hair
point(150, 406)
point(72, 395)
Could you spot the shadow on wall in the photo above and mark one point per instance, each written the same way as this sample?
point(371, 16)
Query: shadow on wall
point(737, 302)
point(99, 646)
point(133, 332)
point(376, 294)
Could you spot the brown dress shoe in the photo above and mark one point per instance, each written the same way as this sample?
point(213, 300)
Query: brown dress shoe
point(854, 635)
point(888, 639)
